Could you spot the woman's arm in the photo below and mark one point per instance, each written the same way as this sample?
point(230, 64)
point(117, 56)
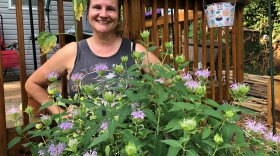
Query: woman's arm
point(150, 58)
point(61, 63)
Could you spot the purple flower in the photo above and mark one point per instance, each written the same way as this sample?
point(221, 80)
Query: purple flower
point(41, 152)
point(191, 84)
point(66, 125)
point(202, 73)
point(138, 114)
point(77, 77)
point(270, 137)
point(90, 153)
point(52, 76)
point(186, 77)
point(234, 86)
point(255, 126)
point(159, 80)
point(44, 117)
point(56, 150)
point(13, 110)
point(100, 67)
point(104, 126)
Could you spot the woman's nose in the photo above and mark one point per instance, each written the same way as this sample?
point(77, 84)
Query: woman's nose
point(103, 13)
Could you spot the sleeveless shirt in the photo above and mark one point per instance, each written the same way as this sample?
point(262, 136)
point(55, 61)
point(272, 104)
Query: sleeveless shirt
point(86, 60)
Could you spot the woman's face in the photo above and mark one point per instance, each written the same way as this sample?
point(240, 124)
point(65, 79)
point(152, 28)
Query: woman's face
point(103, 15)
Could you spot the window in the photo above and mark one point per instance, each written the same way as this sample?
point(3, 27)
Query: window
point(12, 4)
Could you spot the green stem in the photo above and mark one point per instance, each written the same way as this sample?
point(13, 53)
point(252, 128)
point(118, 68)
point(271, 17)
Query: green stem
point(216, 149)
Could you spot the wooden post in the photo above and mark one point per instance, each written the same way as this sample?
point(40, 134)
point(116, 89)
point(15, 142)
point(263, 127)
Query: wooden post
point(22, 65)
point(154, 34)
point(135, 23)
point(41, 23)
point(61, 41)
point(3, 132)
point(240, 43)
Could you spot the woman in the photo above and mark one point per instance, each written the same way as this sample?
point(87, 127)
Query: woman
point(106, 46)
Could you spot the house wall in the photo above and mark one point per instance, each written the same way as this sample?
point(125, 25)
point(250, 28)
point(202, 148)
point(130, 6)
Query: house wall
point(10, 31)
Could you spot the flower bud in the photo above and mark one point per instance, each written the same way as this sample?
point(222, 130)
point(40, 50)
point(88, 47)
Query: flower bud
point(116, 117)
point(73, 143)
point(29, 110)
point(171, 56)
point(168, 45)
point(218, 139)
point(145, 34)
point(180, 59)
point(82, 98)
point(130, 149)
point(109, 97)
point(200, 89)
point(136, 55)
point(229, 114)
point(124, 59)
point(38, 126)
point(188, 124)
point(107, 150)
point(118, 68)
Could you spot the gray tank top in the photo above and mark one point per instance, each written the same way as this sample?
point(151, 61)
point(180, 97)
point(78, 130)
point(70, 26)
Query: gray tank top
point(86, 60)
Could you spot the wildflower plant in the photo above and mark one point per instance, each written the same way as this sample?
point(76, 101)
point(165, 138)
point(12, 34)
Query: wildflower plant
point(162, 113)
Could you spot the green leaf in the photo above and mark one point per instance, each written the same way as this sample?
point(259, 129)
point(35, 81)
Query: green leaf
point(47, 41)
point(29, 126)
point(179, 106)
point(162, 97)
point(39, 133)
point(213, 113)
point(211, 102)
point(226, 146)
point(112, 124)
point(19, 130)
point(45, 105)
point(210, 143)
point(150, 115)
point(127, 136)
point(124, 112)
point(173, 151)
point(192, 152)
point(151, 49)
point(99, 139)
point(172, 142)
point(27, 144)
point(206, 132)
point(14, 142)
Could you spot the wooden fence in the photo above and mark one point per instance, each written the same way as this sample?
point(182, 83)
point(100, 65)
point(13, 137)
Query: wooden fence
point(229, 55)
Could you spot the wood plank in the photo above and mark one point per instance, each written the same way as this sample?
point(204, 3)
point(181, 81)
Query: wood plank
point(160, 20)
point(220, 65)
point(22, 65)
point(186, 33)
point(3, 134)
point(240, 43)
point(176, 31)
point(212, 65)
point(125, 20)
point(155, 36)
point(165, 35)
point(195, 35)
point(41, 25)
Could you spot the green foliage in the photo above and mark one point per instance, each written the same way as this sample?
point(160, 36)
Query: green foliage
point(256, 16)
point(153, 116)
